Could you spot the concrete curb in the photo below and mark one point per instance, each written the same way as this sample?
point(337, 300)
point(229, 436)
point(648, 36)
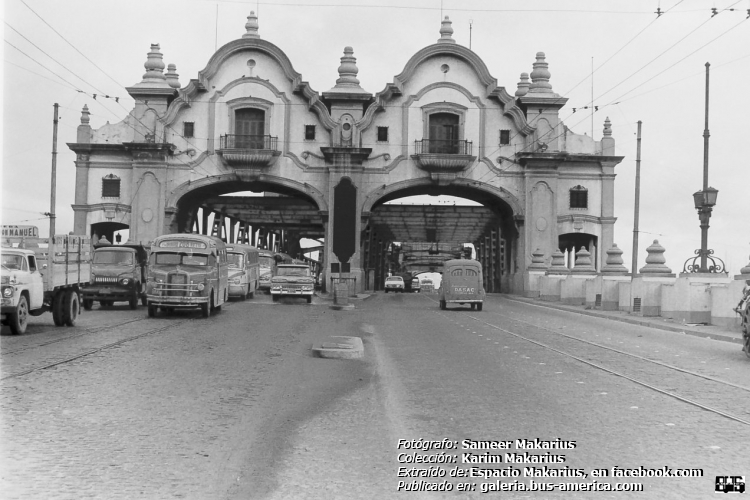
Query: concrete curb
point(340, 347)
point(684, 329)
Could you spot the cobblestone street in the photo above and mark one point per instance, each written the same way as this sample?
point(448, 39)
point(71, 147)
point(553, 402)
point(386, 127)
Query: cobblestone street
point(236, 407)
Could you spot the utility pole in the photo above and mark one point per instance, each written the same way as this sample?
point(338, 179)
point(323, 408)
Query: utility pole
point(54, 176)
point(634, 265)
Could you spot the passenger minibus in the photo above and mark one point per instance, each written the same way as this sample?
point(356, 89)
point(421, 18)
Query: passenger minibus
point(244, 270)
point(187, 271)
point(462, 284)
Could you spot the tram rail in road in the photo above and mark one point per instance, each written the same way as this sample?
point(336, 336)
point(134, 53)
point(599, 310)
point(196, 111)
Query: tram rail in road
point(698, 382)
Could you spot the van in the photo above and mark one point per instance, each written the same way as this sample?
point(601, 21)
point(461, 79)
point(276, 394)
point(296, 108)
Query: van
point(244, 270)
point(187, 271)
point(462, 284)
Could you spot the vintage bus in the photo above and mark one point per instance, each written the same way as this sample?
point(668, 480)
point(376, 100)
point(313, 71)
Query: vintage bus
point(187, 271)
point(244, 270)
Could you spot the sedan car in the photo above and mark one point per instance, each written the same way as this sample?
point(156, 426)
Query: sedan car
point(394, 284)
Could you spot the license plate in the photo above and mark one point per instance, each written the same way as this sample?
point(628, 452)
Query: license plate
point(463, 289)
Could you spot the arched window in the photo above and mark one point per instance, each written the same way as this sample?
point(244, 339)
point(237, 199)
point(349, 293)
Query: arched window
point(249, 128)
point(579, 197)
point(110, 186)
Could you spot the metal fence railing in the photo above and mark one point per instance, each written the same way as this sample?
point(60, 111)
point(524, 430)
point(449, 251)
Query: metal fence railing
point(438, 146)
point(235, 141)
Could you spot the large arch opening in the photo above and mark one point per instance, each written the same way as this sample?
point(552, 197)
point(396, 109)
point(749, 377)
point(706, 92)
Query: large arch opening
point(415, 228)
point(260, 213)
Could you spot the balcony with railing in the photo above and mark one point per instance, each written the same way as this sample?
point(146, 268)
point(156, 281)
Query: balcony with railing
point(443, 156)
point(248, 151)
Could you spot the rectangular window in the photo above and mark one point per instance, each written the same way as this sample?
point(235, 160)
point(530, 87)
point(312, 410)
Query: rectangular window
point(110, 188)
point(579, 198)
point(188, 129)
point(309, 132)
point(504, 137)
point(382, 134)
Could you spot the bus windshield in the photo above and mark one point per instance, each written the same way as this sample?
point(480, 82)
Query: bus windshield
point(235, 259)
point(186, 259)
point(266, 261)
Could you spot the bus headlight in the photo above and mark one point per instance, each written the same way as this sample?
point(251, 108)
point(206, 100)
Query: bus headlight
point(236, 281)
point(125, 281)
point(201, 286)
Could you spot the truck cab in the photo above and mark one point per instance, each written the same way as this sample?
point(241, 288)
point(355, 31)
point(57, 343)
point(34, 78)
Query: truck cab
point(118, 275)
point(22, 288)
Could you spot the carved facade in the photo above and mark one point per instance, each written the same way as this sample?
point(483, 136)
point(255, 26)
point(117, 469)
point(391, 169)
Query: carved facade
point(443, 126)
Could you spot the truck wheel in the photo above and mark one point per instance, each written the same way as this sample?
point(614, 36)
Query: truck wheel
point(71, 307)
point(443, 305)
point(151, 310)
point(88, 304)
point(207, 308)
point(275, 298)
point(309, 300)
point(19, 319)
point(133, 302)
point(479, 306)
point(57, 308)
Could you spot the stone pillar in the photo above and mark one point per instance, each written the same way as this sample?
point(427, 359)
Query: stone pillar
point(646, 293)
point(613, 273)
point(550, 283)
point(572, 290)
point(344, 162)
point(537, 269)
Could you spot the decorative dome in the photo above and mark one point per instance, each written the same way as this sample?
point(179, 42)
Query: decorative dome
point(348, 69)
point(523, 85)
point(540, 75)
point(173, 79)
point(446, 31)
point(154, 66)
point(251, 26)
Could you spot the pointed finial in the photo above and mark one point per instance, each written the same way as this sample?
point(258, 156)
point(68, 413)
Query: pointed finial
point(446, 31)
point(348, 69)
point(85, 115)
point(154, 65)
point(607, 128)
point(523, 85)
point(540, 75)
point(655, 262)
point(173, 79)
point(251, 26)
point(614, 261)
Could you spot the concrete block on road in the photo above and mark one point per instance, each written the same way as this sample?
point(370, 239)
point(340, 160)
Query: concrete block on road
point(340, 347)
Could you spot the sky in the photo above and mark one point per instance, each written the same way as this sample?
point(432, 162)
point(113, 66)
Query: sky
point(634, 64)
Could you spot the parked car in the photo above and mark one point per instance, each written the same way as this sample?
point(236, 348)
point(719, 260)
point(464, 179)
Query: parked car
point(118, 274)
point(462, 284)
point(394, 284)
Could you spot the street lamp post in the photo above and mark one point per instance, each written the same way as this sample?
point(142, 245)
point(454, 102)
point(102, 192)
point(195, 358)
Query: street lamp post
point(704, 202)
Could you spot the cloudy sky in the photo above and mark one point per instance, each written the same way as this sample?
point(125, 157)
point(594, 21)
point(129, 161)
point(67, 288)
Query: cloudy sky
point(645, 67)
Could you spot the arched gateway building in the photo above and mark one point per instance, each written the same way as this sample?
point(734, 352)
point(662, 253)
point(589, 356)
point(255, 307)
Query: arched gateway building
point(249, 122)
